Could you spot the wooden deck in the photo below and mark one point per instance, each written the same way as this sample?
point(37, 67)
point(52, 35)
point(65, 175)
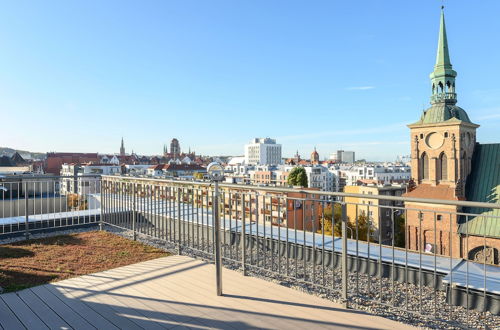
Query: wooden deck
point(174, 292)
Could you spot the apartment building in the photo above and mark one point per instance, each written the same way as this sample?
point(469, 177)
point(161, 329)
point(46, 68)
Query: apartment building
point(263, 151)
point(76, 178)
point(373, 173)
point(380, 213)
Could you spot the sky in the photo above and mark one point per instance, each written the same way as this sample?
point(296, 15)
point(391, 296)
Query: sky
point(79, 75)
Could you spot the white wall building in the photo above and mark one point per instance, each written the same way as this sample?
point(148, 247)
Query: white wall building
point(75, 182)
point(319, 177)
point(346, 156)
point(136, 169)
point(237, 170)
point(377, 173)
point(263, 151)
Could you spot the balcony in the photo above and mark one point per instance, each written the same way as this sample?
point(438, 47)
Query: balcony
point(415, 271)
point(440, 97)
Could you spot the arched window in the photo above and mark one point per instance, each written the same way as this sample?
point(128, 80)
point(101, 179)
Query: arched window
point(443, 167)
point(424, 166)
point(441, 87)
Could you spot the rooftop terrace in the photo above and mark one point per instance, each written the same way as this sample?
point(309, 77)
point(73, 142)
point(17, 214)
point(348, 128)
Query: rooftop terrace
point(175, 292)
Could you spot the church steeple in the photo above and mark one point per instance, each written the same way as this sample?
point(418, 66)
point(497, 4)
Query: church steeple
point(122, 148)
point(443, 76)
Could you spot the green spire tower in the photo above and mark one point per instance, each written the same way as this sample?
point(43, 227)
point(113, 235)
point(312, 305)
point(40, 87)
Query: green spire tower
point(443, 76)
point(444, 97)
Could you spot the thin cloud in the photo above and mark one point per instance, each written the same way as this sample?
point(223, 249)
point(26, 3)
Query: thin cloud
point(360, 88)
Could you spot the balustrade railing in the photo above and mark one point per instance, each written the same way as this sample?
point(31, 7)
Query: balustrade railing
point(430, 258)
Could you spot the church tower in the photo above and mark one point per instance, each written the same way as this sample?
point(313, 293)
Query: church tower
point(122, 148)
point(442, 145)
point(442, 141)
point(314, 157)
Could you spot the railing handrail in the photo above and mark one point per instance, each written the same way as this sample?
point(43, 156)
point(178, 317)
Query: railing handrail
point(27, 176)
point(318, 192)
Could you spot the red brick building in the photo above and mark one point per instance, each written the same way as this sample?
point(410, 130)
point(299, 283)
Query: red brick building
point(448, 164)
point(54, 160)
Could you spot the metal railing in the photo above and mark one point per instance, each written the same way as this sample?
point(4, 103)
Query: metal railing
point(423, 267)
point(408, 255)
point(30, 204)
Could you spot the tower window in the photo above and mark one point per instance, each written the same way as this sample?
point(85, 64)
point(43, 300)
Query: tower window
point(445, 134)
point(439, 217)
point(421, 136)
point(443, 167)
point(441, 87)
point(424, 166)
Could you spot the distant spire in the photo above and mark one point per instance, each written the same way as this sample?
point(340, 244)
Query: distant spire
point(122, 148)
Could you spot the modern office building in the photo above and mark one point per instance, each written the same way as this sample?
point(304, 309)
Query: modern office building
point(263, 151)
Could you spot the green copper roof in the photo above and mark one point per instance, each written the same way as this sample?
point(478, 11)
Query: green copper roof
point(483, 185)
point(442, 112)
point(443, 56)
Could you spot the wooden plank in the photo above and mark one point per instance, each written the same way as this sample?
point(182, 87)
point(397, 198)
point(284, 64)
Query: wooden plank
point(107, 311)
point(204, 300)
point(151, 297)
point(23, 312)
point(125, 302)
point(170, 315)
point(8, 319)
point(228, 311)
point(195, 284)
point(46, 314)
point(90, 315)
point(48, 300)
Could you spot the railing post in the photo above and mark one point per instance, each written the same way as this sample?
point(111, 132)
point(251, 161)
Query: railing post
point(75, 184)
point(243, 236)
point(134, 216)
point(218, 256)
point(179, 237)
point(26, 212)
point(101, 218)
point(344, 255)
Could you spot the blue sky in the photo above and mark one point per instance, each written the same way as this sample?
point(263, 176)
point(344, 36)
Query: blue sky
point(78, 75)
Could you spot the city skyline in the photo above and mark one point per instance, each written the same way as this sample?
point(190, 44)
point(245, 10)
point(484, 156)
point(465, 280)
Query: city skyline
point(341, 80)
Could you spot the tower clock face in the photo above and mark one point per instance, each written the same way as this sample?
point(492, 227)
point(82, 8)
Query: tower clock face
point(434, 140)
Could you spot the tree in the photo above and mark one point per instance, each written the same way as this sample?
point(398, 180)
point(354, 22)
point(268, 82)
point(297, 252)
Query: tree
point(363, 227)
point(326, 222)
point(362, 223)
point(399, 231)
point(297, 177)
point(198, 176)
